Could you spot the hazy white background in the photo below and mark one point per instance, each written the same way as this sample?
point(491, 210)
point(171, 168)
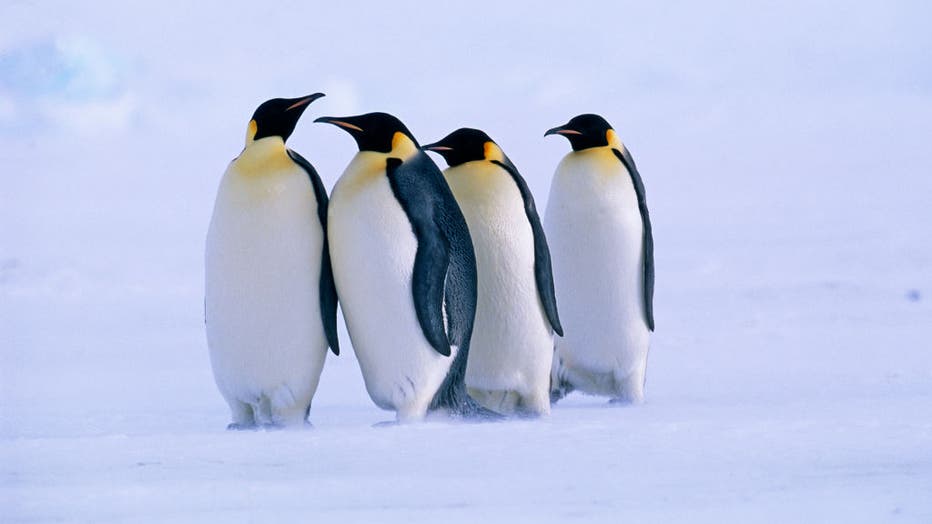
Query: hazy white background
point(785, 147)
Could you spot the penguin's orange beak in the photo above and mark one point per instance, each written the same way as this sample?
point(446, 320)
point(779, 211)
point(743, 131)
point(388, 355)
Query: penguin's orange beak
point(562, 130)
point(339, 122)
point(304, 101)
point(436, 147)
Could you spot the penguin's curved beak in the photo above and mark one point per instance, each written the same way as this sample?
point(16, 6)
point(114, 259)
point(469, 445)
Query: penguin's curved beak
point(304, 101)
point(344, 122)
point(562, 130)
point(436, 146)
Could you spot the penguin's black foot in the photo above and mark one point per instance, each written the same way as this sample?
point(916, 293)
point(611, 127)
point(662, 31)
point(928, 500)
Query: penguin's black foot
point(236, 426)
point(622, 402)
point(386, 424)
point(560, 393)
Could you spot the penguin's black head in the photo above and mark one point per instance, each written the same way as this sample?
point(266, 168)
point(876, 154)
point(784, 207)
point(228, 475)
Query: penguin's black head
point(372, 131)
point(461, 146)
point(278, 117)
point(584, 131)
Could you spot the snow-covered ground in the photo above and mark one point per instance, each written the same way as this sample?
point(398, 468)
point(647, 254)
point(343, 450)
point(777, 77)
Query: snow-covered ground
point(785, 149)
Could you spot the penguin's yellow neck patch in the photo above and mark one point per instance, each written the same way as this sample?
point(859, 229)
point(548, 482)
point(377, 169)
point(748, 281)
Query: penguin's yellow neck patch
point(402, 146)
point(493, 152)
point(263, 156)
point(368, 167)
point(251, 131)
point(476, 181)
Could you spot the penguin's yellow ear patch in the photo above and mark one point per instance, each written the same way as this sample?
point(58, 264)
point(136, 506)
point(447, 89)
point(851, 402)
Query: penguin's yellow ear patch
point(493, 152)
point(402, 146)
point(251, 131)
point(612, 138)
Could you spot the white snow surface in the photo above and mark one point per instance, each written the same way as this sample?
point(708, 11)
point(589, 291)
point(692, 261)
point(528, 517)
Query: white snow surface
point(785, 151)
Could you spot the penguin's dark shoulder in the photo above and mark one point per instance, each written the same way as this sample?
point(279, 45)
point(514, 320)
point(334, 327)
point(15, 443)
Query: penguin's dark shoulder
point(319, 191)
point(328, 289)
point(628, 161)
point(543, 268)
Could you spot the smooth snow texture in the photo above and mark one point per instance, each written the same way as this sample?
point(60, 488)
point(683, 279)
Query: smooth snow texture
point(784, 148)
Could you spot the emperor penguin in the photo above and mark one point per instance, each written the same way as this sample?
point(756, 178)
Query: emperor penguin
point(405, 270)
point(270, 303)
point(512, 347)
point(603, 264)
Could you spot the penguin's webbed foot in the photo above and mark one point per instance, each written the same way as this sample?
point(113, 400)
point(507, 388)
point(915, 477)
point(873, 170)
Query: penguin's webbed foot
point(560, 392)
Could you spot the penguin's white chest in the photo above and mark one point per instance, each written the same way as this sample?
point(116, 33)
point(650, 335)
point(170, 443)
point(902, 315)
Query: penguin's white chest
point(595, 234)
point(512, 344)
point(372, 248)
point(263, 265)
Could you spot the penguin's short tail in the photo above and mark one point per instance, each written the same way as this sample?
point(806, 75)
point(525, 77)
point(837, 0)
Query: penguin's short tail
point(457, 402)
point(453, 398)
point(472, 410)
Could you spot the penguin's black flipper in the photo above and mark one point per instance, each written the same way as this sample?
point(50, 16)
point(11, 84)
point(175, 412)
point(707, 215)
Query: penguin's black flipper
point(625, 157)
point(328, 289)
point(543, 269)
point(411, 184)
point(437, 221)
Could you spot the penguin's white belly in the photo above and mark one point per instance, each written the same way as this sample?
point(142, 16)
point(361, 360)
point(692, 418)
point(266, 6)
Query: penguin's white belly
point(264, 328)
point(512, 342)
point(595, 234)
point(372, 249)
